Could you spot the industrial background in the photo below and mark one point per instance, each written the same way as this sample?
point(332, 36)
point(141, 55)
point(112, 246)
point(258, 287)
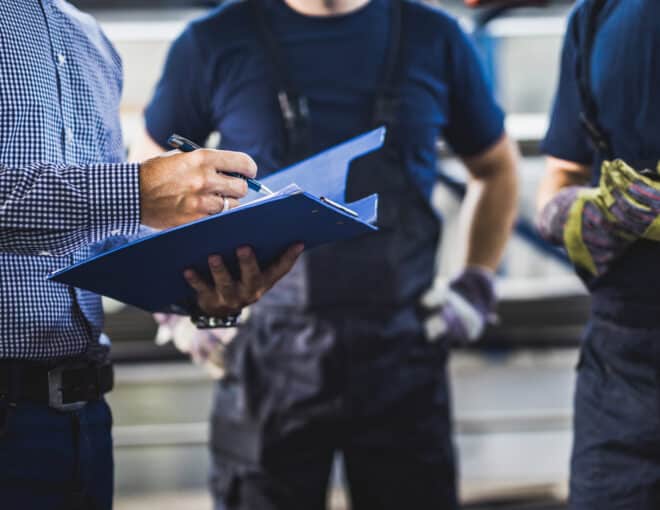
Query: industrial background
point(513, 437)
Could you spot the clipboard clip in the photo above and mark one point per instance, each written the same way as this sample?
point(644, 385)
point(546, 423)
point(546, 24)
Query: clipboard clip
point(336, 205)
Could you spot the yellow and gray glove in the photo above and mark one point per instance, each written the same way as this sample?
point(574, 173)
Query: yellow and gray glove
point(596, 225)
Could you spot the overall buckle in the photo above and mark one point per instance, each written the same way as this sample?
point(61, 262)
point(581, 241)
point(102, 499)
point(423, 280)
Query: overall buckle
point(56, 391)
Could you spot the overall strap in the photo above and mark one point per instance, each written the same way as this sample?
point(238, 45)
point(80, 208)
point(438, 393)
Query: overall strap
point(294, 107)
point(589, 114)
point(388, 95)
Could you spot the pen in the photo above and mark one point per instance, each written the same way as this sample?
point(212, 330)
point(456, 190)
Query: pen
point(185, 145)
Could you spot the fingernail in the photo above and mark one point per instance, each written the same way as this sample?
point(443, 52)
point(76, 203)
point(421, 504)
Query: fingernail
point(299, 248)
point(215, 261)
point(188, 274)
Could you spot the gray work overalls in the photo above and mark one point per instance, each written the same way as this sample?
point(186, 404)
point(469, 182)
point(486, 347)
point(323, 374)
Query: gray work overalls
point(335, 357)
point(616, 449)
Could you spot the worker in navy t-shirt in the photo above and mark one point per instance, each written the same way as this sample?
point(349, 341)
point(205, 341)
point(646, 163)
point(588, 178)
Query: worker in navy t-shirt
point(342, 356)
point(605, 215)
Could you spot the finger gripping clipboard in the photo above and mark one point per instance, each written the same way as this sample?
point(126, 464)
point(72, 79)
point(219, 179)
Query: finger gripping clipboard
point(148, 273)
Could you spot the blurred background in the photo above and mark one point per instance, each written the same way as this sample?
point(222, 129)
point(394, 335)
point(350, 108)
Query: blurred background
point(513, 438)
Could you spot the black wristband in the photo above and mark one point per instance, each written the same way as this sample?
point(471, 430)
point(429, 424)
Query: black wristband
point(207, 322)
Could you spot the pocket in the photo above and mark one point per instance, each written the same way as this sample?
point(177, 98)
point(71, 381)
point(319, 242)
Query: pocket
point(265, 361)
point(294, 360)
point(238, 438)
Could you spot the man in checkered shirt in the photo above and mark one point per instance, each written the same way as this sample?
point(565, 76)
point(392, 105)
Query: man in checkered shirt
point(64, 191)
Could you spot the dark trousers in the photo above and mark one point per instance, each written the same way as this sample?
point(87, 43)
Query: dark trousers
point(48, 464)
point(616, 453)
point(304, 387)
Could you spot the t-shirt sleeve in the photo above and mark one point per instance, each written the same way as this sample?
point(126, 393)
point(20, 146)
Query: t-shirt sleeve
point(475, 120)
point(566, 138)
point(180, 102)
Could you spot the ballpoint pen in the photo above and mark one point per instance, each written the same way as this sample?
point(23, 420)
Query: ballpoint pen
point(185, 145)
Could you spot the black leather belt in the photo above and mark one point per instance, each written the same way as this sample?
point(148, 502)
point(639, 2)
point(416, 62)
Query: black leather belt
point(63, 386)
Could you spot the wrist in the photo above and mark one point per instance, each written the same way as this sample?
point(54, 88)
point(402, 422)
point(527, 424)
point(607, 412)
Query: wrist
point(476, 285)
point(552, 219)
point(479, 271)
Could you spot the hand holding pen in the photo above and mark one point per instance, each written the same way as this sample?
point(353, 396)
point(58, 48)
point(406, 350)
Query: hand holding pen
point(226, 296)
point(184, 187)
point(185, 145)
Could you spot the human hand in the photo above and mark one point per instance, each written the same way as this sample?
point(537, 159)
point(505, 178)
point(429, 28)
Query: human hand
point(596, 225)
point(206, 347)
point(633, 198)
point(227, 296)
point(183, 187)
point(469, 306)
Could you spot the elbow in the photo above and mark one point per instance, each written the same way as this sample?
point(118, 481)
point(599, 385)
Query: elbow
point(497, 172)
point(498, 163)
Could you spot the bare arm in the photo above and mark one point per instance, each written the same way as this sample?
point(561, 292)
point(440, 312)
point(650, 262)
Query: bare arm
point(490, 206)
point(560, 174)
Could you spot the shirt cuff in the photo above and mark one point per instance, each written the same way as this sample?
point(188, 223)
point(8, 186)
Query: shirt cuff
point(114, 200)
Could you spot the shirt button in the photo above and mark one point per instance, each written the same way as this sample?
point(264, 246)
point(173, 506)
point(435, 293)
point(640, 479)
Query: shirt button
point(61, 59)
point(68, 134)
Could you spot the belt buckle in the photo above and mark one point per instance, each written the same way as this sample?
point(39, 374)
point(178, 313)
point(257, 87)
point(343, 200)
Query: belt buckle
point(56, 394)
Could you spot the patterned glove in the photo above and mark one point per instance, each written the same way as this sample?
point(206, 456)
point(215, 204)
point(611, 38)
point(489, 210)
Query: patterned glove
point(596, 225)
point(469, 305)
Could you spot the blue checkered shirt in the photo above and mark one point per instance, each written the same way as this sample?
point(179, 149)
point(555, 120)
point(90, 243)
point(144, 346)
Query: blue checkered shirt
point(63, 188)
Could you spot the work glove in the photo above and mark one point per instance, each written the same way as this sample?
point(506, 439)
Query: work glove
point(596, 225)
point(206, 347)
point(467, 308)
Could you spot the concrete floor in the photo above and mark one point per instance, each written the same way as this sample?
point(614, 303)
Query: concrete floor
point(199, 500)
point(165, 501)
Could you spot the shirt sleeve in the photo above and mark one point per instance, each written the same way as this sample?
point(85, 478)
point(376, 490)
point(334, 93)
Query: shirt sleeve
point(566, 138)
point(56, 210)
point(476, 122)
point(180, 102)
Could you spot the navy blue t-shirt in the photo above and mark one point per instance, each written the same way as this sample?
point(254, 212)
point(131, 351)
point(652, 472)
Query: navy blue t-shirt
point(218, 78)
point(625, 70)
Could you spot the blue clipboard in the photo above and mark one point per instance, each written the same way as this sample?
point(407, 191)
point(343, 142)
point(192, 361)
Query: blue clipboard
point(148, 273)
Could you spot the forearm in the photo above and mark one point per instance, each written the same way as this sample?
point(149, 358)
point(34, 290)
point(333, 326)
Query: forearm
point(59, 209)
point(559, 175)
point(596, 225)
point(490, 209)
point(490, 205)
point(557, 193)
